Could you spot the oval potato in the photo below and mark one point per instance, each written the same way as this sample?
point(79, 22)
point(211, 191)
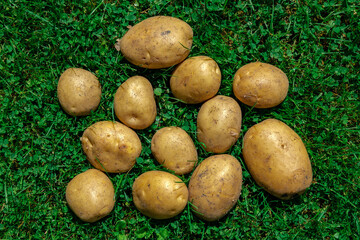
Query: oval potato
point(277, 159)
point(134, 103)
point(260, 85)
point(196, 80)
point(111, 146)
point(174, 149)
point(215, 186)
point(219, 124)
point(157, 42)
point(159, 195)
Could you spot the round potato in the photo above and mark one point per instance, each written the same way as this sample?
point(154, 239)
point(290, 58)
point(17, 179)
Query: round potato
point(260, 85)
point(90, 195)
point(79, 92)
point(277, 159)
point(157, 42)
point(111, 146)
point(159, 195)
point(174, 149)
point(134, 103)
point(196, 80)
point(215, 186)
point(219, 124)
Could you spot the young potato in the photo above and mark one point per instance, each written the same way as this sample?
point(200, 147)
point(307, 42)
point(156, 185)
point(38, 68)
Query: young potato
point(277, 159)
point(111, 146)
point(79, 92)
point(260, 85)
point(174, 149)
point(134, 103)
point(196, 80)
point(159, 195)
point(219, 124)
point(90, 195)
point(157, 42)
point(215, 186)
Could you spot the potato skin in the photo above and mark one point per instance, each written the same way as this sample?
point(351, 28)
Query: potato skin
point(157, 42)
point(111, 145)
point(219, 123)
point(196, 80)
point(134, 103)
point(174, 149)
point(159, 195)
point(79, 92)
point(260, 85)
point(215, 186)
point(90, 195)
point(277, 159)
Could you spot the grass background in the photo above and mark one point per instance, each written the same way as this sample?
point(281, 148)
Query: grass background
point(316, 43)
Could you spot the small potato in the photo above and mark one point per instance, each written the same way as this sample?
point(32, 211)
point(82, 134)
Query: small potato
point(215, 186)
point(134, 103)
point(174, 149)
point(111, 146)
point(219, 124)
point(159, 195)
point(90, 195)
point(277, 159)
point(79, 92)
point(196, 80)
point(260, 85)
point(157, 42)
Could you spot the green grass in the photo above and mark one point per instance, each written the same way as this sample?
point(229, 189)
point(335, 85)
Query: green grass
point(316, 43)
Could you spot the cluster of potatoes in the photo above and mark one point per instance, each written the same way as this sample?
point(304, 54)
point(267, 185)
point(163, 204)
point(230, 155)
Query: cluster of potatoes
point(273, 153)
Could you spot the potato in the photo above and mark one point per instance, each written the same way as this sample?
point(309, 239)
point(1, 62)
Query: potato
point(260, 85)
point(196, 80)
point(90, 195)
point(159, 195)
point(215, 186)
point(111, 146)
point(174, 149)
point(277, 159)
point(79, 92)
point(134, 103)
point(219, 124)
point(157, 42)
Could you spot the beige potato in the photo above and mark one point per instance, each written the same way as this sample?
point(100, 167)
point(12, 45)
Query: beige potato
point(134, 103)
point(159, 195)
point(277, 159)
point(79, 92)
point(90, 195)
point(174, 149)
point(260, 85)
point(157, 42)
point(215, 186)
point(111, 146)
point(196, 80)
point(219, 124)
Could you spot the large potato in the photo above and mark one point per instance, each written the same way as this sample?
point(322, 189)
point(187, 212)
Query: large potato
point(215, 186)
point(260, 85)
point(134, 103)
point(277, 159)
point(159, 195)
point(111, 146)
point(174, 149)
point(157, 42)
point(196, 80)
point(79, 92)
point(219, 123)
point(90, 195)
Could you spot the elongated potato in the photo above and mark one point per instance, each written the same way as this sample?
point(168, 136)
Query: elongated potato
point(219, 124)
point(215, 186)
point(277, 159)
